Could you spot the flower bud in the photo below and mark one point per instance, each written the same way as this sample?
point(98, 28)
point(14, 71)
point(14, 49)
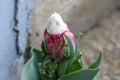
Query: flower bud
point(54, 37)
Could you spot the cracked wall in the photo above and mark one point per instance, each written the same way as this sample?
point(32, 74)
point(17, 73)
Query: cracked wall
point(15, 16)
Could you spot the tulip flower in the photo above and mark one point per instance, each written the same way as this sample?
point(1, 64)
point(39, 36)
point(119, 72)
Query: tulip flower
point(54, 34)
point(59, 57)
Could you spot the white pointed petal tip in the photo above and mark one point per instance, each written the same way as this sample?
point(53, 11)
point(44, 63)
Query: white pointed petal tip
point(55, 24)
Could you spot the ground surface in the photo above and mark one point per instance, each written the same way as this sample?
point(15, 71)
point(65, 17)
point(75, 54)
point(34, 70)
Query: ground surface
point(106, 37)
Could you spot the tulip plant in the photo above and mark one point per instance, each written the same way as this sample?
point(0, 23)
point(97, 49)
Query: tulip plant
point(59, 57)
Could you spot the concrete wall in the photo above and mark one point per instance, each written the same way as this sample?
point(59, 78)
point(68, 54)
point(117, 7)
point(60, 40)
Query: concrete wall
point(14, 23)
point(8, 51)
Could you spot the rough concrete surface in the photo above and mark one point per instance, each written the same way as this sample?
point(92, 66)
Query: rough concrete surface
point(7, 39)
point(13, 13)
point(105, 37)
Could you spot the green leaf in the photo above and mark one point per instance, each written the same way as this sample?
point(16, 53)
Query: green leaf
point(49, 65)
point(69, 65)
point(62, 66)
point(45, 77)
point(97, 77)
point(66, 52)
point(45, 45)
point(77, 50)
point(78, 53)
point(87, 74)
point(75, 66)
point(97, 62)
point(31, 70)
point(80, 58)
point(70, 45)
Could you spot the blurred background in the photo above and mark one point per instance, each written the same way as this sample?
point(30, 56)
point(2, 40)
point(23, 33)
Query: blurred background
point(98, 20)
point(22, 23)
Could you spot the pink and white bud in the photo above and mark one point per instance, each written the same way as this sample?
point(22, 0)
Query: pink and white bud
point(54, 33)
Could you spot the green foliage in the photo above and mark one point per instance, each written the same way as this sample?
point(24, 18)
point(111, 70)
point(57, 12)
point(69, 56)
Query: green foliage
point(75, 65)
point(97, 77)
point(86, 74)
point(45, 45)
point(62, 67)
point(31, 70)
point(45, 77)
point(70, 46)
point(96, 63)
point(49, 66)
point(42, 65)
point(77, 50)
